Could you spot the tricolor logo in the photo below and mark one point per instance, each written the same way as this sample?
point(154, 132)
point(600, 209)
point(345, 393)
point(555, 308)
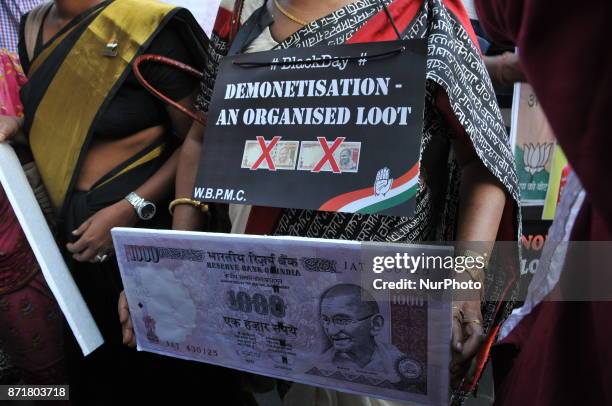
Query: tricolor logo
point(377, 198)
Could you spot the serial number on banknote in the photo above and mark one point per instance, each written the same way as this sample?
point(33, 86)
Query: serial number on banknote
point(193, 349)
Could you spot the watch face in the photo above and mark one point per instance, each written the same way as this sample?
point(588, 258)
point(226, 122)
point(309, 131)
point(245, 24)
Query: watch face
point(147, 211)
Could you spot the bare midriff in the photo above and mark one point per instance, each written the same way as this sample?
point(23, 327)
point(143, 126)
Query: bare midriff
point(105, 155)
point(102, 156)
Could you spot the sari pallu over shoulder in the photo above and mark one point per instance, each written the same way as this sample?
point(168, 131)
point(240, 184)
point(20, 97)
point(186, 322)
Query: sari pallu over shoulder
point(454, 66)
point(76, 75)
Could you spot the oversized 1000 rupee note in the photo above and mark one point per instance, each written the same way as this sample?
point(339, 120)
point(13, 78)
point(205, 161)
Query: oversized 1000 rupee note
point(293, 308)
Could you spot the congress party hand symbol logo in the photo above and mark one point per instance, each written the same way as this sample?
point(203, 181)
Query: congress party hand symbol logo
point(383, 182)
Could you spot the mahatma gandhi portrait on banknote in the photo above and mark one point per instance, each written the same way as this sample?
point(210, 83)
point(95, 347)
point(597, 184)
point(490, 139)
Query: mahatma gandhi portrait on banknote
point(353, 325)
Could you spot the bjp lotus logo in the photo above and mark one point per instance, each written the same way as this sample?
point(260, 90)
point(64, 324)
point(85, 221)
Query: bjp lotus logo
point(535, 157)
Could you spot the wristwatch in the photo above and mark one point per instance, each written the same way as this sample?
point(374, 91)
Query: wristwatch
point(144, 209)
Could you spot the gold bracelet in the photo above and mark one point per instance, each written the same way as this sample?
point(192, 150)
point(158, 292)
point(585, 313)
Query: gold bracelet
point(185, 200)
point(476, 274)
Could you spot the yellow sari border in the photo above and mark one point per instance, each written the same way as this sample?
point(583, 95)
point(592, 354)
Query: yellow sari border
point(148, 157)
point(83, 83)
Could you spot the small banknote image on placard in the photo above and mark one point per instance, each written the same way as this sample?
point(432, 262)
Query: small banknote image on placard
point(345, 158)
point(283, 155)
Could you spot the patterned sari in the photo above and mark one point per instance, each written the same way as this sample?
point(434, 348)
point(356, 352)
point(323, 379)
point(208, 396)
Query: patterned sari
point(453, 66)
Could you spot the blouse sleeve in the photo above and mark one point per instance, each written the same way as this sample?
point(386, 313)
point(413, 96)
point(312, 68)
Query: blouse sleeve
point(170, 81)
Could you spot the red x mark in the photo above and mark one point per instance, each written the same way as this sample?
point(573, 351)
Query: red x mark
point(328, 154)
point(265, 153)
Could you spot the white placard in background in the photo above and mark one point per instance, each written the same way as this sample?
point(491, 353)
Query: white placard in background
point(47, 253)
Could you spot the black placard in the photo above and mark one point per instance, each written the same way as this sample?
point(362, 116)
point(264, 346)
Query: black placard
point(334, 128)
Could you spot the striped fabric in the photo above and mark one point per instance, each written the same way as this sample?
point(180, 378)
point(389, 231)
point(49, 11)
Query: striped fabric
point(10, 15)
